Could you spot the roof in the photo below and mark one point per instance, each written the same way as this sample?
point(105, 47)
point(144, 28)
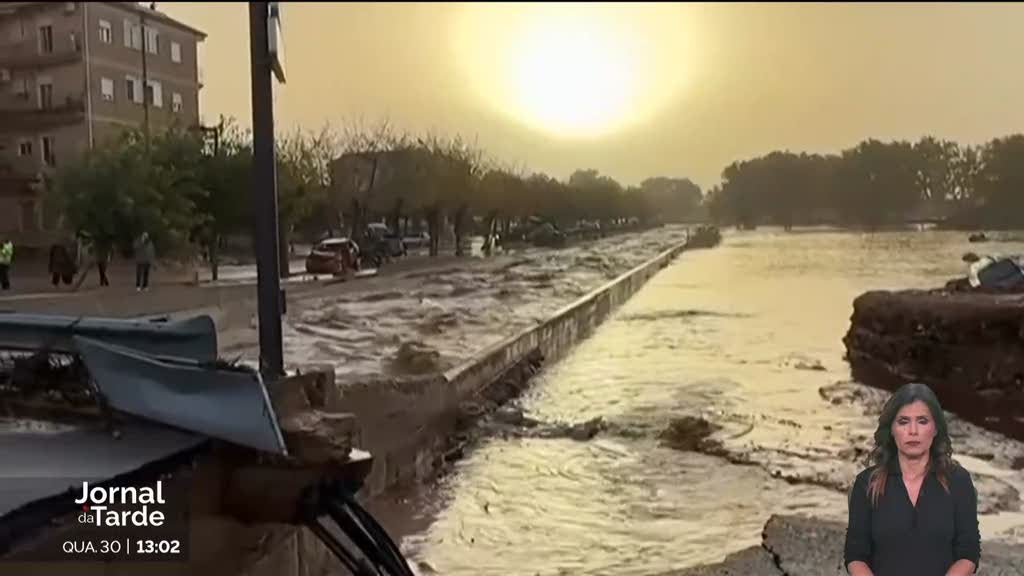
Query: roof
point(143, 10)
point(136, 7)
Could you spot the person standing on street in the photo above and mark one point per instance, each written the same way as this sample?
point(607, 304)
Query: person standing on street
point(6, 256)
point(62, 264)
point(145, 253)
point(101, 249)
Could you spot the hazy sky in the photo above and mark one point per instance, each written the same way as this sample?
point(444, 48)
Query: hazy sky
point(634, 91)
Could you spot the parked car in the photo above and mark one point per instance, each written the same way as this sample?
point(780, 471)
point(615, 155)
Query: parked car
point(546, 235)
point(417, 241)
point(383, 240)
point(333, 256)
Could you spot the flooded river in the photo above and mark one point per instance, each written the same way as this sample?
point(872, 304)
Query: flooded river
point(747, 336)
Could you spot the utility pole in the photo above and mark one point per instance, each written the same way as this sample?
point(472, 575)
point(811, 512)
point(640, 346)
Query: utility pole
point(265, 194)
point(145, 75)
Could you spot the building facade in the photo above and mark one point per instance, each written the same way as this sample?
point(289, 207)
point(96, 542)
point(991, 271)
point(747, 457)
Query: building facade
point(73, 74)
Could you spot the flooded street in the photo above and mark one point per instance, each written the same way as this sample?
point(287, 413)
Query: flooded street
point(746, 336)
point(424, 321)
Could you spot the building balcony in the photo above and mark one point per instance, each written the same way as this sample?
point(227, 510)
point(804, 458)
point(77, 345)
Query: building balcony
point(71, 111)
point(26, 55)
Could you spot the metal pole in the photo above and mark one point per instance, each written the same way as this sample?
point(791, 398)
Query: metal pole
point(265, 195)
point(145, 79)
point(88, 76)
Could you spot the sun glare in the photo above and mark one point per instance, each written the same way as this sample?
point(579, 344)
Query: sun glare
point(572, 77)
point(577, 70)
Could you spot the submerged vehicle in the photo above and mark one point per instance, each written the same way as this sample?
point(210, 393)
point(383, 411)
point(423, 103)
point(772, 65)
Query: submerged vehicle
point(334, 256)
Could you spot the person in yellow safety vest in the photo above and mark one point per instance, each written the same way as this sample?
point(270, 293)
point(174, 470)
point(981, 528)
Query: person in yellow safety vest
point(6, 256)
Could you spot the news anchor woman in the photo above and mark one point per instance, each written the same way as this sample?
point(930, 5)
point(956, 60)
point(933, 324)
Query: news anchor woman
point(914, 511)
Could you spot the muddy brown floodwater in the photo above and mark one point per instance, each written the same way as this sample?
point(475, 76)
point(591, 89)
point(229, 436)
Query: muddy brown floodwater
point(424, 321)
point(746, 336)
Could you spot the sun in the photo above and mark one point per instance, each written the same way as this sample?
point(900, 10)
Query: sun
point(570, 70)
point(572, 76)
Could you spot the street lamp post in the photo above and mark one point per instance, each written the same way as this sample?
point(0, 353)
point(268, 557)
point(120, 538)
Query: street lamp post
point(265, 194)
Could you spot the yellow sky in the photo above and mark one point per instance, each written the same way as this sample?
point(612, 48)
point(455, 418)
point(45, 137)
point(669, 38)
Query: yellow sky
point(671, 90)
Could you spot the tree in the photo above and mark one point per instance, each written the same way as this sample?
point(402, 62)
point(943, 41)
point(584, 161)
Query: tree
point(934, 169)
point(674, 199)
point(738, 194)
point(303, 182)
point(596, 197)
point(226, 178)
point(965, 168)
point(877, 182)
point(1000, 183)
point(122, 188)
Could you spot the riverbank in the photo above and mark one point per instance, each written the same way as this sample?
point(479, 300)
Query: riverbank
point(800, 546)
point(966, 346)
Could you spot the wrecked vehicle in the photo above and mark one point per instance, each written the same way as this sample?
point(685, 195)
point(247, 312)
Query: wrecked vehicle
point(703, 237)
point(334, 256)
point(990, 274)
point(546, 235)
point(146, 404)
point(1003, 274)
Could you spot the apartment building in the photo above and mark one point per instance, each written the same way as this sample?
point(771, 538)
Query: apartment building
point(73, 74)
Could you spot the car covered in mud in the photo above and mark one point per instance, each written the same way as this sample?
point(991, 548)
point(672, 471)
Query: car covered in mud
point(333, 256)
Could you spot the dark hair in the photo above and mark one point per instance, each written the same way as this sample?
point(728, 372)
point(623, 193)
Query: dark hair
point(940, 456)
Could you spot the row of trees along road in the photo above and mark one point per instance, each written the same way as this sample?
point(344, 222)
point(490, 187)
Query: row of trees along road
point(190, 189)
point(876, 184)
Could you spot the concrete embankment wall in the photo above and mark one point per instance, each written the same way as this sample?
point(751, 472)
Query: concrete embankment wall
point(408, 424)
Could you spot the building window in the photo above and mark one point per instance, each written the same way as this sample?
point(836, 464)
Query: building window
point(132, 35)
point(134, 87)
point(106, 32)
point(48, 156)
point(46, 39)
point(25, 148)
point(152, 41)
point(20, 88)
point(175, 52)
point(45, 94)
point(107, 89)
point(155, 93)
point(176, 102)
